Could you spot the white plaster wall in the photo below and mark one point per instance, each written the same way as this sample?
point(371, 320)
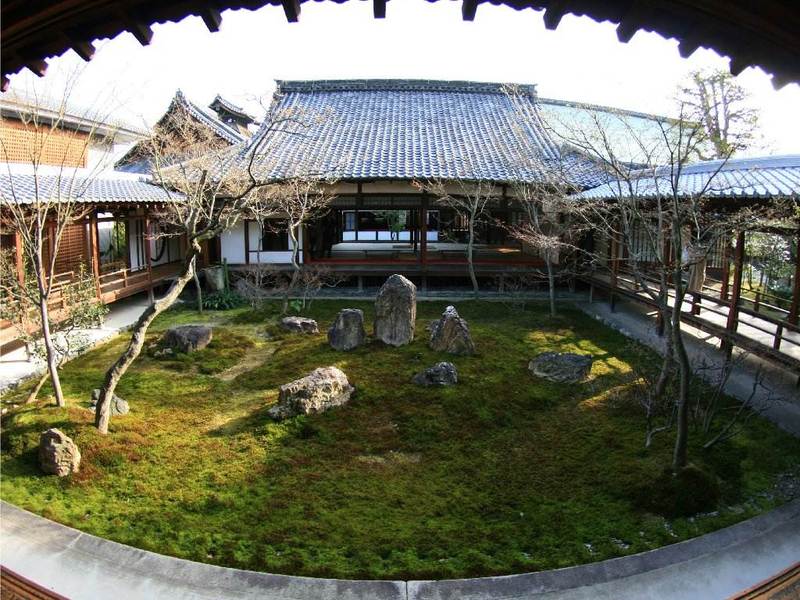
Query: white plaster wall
point(232, 246)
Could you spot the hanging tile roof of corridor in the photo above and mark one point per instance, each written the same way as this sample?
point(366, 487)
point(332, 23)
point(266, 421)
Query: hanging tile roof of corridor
point(763, 177)
point(28, 188)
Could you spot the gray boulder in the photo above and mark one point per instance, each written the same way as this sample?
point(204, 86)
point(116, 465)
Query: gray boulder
point(396, 311)
point(347, 331)
point(318, 391)
point(58, 454)
point(299, 325)
point(561, 367)
point(118, 405)
point(187, 338)
point(443, 373)
point(451, 334)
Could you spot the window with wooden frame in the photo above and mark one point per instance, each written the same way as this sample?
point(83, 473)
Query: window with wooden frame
point(274, 235)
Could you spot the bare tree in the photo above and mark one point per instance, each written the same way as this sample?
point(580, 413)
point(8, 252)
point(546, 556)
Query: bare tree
point(211, 187)
point(721, 107)
point(470, 198)
point(44, 202)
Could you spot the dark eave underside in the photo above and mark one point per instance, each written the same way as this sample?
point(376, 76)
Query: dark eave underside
point(760, 33)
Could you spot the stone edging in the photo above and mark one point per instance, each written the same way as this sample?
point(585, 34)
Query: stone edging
point(80, 565)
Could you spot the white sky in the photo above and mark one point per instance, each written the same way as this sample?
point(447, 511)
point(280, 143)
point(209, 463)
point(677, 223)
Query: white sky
point(581, 61)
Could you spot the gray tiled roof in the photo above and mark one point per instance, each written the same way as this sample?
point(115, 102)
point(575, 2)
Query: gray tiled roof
point(764, 177)
point(22, 189)
point(232, 108)
point(406, 130)
point(136, 160)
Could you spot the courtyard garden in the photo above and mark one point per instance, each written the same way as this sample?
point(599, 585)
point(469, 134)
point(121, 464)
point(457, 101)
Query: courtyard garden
point(501, 473)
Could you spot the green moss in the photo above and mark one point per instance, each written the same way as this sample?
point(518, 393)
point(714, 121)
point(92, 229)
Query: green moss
point(501, 473)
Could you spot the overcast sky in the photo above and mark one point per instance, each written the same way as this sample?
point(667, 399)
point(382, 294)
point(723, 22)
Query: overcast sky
point(582, 60)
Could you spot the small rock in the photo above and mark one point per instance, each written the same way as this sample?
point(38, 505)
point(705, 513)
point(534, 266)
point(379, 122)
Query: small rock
point(622, 545)
point(299, 325)
point(186, 338)
point(318, 391)
point(396, 311)
point(118, 405)
point(443, 373)
point(561, 367)
point(347, 331)
point(451, 334)
point(58, 454)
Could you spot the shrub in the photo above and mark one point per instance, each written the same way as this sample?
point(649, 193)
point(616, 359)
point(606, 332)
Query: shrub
point(687, 492)
point(223, 300)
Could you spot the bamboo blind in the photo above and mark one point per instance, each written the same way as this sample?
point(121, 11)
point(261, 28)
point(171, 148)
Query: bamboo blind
point(73, 249)
point(24, 142)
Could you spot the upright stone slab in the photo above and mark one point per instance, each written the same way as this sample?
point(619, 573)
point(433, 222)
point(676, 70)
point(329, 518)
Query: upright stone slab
point(347, 331)
point(451, 334)
point(396, 311)
point(58, 454)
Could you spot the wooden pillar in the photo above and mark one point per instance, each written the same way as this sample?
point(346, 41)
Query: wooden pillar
point(793, 308)
point(94, 250)
point(614, 257)
point(148, 255)
point(423, 231)
point(733, 305)
point(246, 242)
point(726, 269)
point(19, 257)
point(305, 232)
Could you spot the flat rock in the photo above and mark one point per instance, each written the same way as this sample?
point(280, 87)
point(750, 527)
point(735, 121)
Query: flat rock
point(561, 367)
point(58, 454)
point(299, 324)
point(396, 311)
point(451, 334)
point(186, 338)
point(347, 331)
point(320, 390)
point(118, 405)
point(440, 374)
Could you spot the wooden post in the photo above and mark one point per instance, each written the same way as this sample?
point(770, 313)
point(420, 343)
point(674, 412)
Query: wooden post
point(793, 308)
point(94, 248)
point(147, 255)
point(726, 269)
point(614, 269)
point(19, 257)
point(246, 242)
point(423, 231)
point(733, 305)
point(304, 232)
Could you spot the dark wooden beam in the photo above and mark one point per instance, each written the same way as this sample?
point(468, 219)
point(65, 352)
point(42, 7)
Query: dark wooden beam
point(140, 30)
point(39, 67)
point(292, 10)
point(4, 83)
point(379, 9)
point(554, 13)
point(468, 9)
point(84, 49)
point(212, 18)
point(632, 21)
point(739, 63)
point(795, 306)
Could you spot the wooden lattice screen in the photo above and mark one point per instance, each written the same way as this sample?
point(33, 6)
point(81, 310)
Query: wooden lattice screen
point(21, 142)
point(73, 250)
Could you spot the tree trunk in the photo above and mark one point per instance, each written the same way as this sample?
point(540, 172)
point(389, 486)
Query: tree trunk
point(551, 282)
point(121, 365)
point(295, 268)
point(37, 388)
point(680, 454)
point(470, 261)
point(52, 354)
point(199, 289)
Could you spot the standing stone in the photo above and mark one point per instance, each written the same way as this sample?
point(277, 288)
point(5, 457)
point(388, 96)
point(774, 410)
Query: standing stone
point(318, 391)
point(118, 405)
point(347, 331)
point(299, 324)
point(396, 311)
point(187, 338)
point(215, 278)
point(58, 454)
point(561, 367)
point(443, 373)
point(451, 334)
